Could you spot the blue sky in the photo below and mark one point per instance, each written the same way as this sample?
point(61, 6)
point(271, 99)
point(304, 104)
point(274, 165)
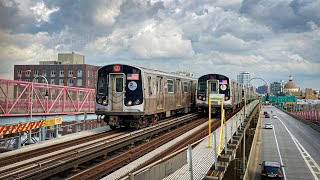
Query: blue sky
point(270, 38)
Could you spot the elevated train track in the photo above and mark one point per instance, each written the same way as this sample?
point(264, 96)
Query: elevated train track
point(42, 164)
point(49, 164)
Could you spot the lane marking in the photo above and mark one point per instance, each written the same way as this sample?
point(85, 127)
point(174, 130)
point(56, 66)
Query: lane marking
point(312, 165)
point(307, 135)
point(275, 136)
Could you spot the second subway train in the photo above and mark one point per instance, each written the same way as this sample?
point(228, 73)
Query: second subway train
point(134, 97)
point(221, 86)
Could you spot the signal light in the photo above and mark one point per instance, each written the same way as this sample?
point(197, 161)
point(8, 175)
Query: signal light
point(242, 94)
point(116, 68)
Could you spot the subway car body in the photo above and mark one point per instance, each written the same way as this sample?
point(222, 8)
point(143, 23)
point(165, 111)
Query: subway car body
point(135, 97)
point(223, 87)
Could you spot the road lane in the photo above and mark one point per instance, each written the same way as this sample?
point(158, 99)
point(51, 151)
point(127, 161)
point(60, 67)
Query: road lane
point(295, 165)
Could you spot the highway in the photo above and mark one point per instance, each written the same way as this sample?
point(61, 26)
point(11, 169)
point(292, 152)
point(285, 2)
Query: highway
point(290, 142)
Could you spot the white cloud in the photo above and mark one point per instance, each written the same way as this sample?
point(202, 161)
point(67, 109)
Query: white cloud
point(151, 40)
point(42, 12)
point(203, 37)
point(106, 12)
point(31, 51)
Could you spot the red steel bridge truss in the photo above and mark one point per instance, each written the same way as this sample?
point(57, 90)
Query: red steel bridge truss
point(47, 99)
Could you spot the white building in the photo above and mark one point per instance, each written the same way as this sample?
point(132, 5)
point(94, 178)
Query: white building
point(244, 78)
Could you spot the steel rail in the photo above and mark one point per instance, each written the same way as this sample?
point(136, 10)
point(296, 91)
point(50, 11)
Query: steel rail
point(117, 162)
point(45, 166)
point(15, 158)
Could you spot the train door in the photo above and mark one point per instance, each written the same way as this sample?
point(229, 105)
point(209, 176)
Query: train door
point(191, 90)
point(179, 92)
point(213, 86)
point(116, 92)
point(160, 93)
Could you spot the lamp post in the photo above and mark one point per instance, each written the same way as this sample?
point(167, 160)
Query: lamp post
point(31, 99)
point(28, 70)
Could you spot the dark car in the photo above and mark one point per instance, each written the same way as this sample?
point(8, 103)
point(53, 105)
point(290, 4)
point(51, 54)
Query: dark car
point(265, 112)
point(267, 116)
point(271, 170)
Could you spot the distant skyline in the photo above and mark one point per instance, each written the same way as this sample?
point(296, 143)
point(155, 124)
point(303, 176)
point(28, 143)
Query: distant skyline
point(269, 39)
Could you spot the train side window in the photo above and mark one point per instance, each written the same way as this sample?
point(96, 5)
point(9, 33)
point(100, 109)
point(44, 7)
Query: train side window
point(149, 86)
point(185, 87)
point(170, 86)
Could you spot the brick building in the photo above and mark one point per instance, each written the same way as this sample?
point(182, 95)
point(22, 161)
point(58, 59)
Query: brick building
point(69, 70)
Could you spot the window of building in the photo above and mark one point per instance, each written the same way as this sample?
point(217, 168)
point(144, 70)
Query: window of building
point(170, 86)
point(43, 81)
point(79, 74)
point(61, 73)
point(36, 73)
point(185, 87)
point(88, 73)
point(88, 82)
point(70, 126)
point(44, 73)
point(28, 74)
point(53, 73)
point(52, 81)
point(70, 82)
point(61, 82)
point(19, 72)
point(70, 73)
point(36, 80)
point(27, 80)
point(79, 82)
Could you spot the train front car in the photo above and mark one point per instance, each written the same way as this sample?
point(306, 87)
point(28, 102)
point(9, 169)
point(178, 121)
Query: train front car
point(119, 95)
point(217, 85)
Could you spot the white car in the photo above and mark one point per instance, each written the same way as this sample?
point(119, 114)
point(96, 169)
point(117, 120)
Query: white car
point(268, 126)
point(274, 116)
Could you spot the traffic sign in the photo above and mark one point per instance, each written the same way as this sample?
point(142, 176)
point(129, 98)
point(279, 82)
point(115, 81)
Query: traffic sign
point(291, 99)
point(281, 99)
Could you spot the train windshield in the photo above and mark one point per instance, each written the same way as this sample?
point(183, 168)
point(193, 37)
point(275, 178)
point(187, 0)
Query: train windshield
point(102, 86)
point(202, 87)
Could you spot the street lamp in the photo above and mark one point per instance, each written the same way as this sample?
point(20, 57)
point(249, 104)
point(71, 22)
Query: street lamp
point(31, 99)
point(28, 70)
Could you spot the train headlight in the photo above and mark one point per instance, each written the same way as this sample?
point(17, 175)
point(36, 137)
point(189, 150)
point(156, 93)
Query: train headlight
point(100, 100)
point(104, 102)
point(223, 87)
point(129, 103)
point(137, 101)
point(200, 97)
point(204, 98)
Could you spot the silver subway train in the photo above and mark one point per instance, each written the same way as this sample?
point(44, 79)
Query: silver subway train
point(135, 97)
point(221, 86)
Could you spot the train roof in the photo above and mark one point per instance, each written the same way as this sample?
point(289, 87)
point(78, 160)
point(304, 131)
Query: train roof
point(153, 71)
point(215, 75)
point(222, 76)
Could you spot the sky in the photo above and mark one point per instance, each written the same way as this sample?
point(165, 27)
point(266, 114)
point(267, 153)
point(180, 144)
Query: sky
point(268, 38)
